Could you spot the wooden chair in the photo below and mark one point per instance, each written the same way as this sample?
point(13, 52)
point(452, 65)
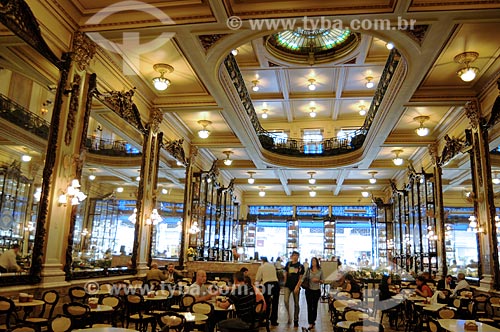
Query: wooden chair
point(23, 328)
point(136, 313)
point(366, 326)
point(79, 314)
point(118, 312)
point(204, 308)
point(60, 324)
point(50, 299)
point(77, 294)
point(7, 308)
point(446, 313)
point(261, 317)
point(171, 320)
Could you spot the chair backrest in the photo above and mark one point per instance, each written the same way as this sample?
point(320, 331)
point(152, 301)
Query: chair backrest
point(60, 324)
point(135, 304)
point(342, 295)
point(107, 287)
point(203, 307)
point(23, 328)
point(77, 294)
point(137, 282)
point(186, 301)
point(7, 308)
point(154, 284)
point(171, 321)
point(352, 315)
point(50, 299)
point(433, 326)
point(112, 301)
point(446, 313)
point(162, 292)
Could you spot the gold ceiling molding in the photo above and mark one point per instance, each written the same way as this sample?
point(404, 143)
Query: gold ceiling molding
point(83, 50)
point(417, 33)
point(246, 9)
point(207, 41)
point(449, 5)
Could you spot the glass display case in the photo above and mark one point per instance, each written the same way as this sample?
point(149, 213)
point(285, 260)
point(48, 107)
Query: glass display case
point(329, 239)
point(292, 239)
point(384, 232)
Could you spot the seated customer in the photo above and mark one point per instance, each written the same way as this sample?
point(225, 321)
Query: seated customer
point(199, 290)
point(171, 275)
point(446, 283)
point(351, 285)
point(422, 289)
point(243, 298)
point(154, 273)
point(462, 284)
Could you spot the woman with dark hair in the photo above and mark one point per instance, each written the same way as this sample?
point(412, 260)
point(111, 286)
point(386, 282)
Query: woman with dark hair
point(313, 293)
point(422, 289)
point(386, 302)
point(351, 285)
point(384, 291)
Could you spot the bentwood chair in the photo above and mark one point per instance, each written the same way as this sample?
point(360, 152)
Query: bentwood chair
point(204, 308)
point(77, 294)
point(60, 324)
point(23, 328)
point(366, 326)
point(171, 320)
point(50, 299)
point(7, 308)
point(79, 314)
point(136, 313)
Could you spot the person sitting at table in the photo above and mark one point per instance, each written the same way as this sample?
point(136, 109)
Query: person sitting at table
point(422, 288)
point(171, 275)
point(8, 260)
point(446, 283)
point(461, 285)
point(244, 300)
point(351, 285)
point(154, 273)
point(199, 290)
point(386, 301)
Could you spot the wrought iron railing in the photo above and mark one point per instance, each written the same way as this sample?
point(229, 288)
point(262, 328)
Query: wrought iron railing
point(23, 118)
point(298, 146)
point(110, 147)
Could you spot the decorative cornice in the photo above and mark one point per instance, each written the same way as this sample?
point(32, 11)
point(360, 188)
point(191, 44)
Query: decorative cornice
point(433, 152)
point(73, 108)
point(155, 118)
point(83, 50)
point(417, 33)
point(472, 112)
point(176, 150)
point(207, 41)
point(453, 147)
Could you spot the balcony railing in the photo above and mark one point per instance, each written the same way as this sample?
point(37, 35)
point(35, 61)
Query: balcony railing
point(23, 118)
point(306, 148)
point(110, 148)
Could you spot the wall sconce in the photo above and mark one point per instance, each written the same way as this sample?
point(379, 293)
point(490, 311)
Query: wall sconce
point(312, 113)
point(264, 113)
point(251, 180)
point(73, 193)
point(262, 193)
point(45, 107)
point(255, 86)
point(194, 229)
point(311, 180)
point(397, 160)
point(154, 219)
point(161, 83)
point(468, 73)
point(227, 161)
point(204, 133)
point(312, 84)
point(474, 225)
point(421, 130)
point(369, 84)
point(372, 180)
point(362, 110)
point(312, 192)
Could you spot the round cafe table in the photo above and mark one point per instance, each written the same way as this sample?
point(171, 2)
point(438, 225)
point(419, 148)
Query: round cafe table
point(457, 325)
point(28, 306)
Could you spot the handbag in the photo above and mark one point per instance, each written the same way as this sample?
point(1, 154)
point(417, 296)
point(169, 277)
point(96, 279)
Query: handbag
point(306, 282)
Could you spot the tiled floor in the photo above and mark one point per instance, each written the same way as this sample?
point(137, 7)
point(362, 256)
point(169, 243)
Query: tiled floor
point(323, 323)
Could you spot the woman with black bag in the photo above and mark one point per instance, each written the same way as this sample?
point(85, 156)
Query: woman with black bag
point(312, 281)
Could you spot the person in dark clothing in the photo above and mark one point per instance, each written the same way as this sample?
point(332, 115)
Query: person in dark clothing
point(293, 278)
point(384, 291)
point(244, 300)
point(446, 283)
point(385, 300)
point(351, 285)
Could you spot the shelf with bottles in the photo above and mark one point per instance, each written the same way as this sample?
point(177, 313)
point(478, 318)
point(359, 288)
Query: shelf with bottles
point(292, 240)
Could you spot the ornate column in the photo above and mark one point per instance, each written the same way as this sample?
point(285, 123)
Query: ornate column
point(439, 211)
point(188, 199)
point(65, 156)
point(146, 196)
point(484, 205)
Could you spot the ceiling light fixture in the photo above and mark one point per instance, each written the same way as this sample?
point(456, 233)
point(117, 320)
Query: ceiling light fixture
point(496, 180)
point(365, 194)
point(362, 110)
point(164, 191)
point(26, 158)
point(389, 45)
point(227, 161)
point(251, 180)
point(204, 133)
point(373, 180)
point(421, 130)
point(312, 113)
point(311, 180)
point(397, 160)
point(119, 189)
point(92, 175)
point(255, 86)
point(234, 51)
point(264, 113)
point(161, 83)
point(312, 84)
point(369, 84)
point(262, 193)
point(468, 73)
point(312, 192)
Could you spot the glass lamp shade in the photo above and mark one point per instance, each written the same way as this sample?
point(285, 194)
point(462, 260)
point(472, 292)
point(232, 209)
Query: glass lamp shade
point(264, 115)
point(312, 193)
point(251, 180)
point(468, 74)
point(496, 181)
point(422, 131)
point(398, 161)
point(365, 194)
point(91, 177)
point(373, 180)
point(255, 88)
point(161, 83)
point(262, 193)
point(26, 158)
point(312, 114)
point(311, 87)
point(204, 133)
point(369, 85)
point(228, 162)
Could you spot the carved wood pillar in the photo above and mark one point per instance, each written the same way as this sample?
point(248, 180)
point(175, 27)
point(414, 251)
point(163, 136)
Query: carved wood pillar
point(439, 211)
point(188, 200)
point(484, 205)
point(147, 191)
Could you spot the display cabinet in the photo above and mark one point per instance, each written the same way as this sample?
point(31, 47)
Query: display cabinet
point(329, 239)
point(292, 239)
point(384, 234)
